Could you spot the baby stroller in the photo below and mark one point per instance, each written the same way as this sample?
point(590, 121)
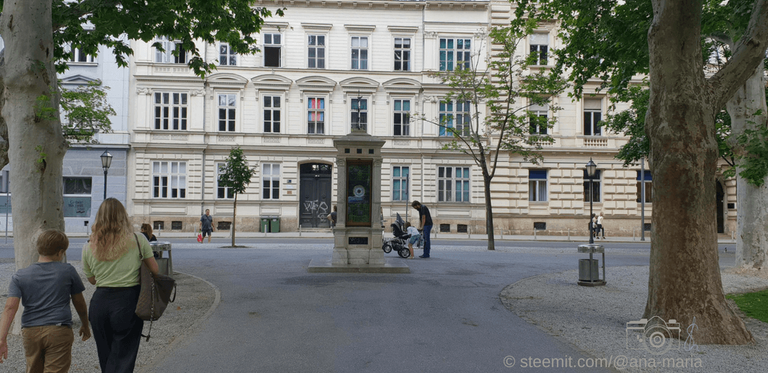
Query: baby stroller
point(399, 242)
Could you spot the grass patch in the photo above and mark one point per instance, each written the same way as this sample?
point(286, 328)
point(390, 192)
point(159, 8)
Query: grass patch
point(754, 305)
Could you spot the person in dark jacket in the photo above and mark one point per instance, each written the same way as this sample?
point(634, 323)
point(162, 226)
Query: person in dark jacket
point(425, 224)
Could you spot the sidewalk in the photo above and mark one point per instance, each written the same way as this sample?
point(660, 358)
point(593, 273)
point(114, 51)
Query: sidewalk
point(196, 299)
point(327, 233)
point(594, 319)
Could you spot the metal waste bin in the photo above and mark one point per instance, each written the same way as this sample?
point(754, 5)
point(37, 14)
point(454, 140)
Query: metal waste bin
point(274, 224)
point(589, 274)
point(165, 265)
point(588, 270)
point(264, 224)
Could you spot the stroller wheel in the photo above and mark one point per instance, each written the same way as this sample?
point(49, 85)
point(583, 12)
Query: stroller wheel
point(404, 253)
point(387, 248)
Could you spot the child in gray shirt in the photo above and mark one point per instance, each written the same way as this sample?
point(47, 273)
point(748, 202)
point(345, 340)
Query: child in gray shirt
point(45, 289)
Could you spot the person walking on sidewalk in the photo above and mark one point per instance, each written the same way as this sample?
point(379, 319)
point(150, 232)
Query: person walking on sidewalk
point(600, 226)
point(45, 288)
point(111, 261)
point(425, 224)
point(206, 224)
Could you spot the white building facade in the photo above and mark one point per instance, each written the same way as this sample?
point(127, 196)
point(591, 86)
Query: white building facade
point(84, 181)
point(328, 66)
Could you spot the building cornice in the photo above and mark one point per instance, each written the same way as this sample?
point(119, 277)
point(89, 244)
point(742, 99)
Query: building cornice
point(380, 4)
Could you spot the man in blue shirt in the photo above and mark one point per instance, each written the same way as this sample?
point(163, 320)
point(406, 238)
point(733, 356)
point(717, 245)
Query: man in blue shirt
point(425, 223)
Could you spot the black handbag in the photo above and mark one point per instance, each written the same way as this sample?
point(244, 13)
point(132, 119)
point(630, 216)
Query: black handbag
point(156, 292)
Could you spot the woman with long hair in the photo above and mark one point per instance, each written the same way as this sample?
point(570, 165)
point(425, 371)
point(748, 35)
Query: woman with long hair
point(146, 229)
point(111, 261)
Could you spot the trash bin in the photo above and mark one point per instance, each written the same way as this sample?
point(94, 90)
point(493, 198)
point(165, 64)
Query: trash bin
point(264, 224)
point(588, 270)
point(275, 224)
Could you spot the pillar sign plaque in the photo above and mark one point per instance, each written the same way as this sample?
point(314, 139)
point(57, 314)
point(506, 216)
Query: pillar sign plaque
point(359, 193)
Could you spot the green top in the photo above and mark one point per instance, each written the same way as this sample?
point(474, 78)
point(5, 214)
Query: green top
point(122, 272)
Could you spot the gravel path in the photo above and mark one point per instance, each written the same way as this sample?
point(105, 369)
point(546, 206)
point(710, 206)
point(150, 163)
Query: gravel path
point(195, 299)
point(594, 319)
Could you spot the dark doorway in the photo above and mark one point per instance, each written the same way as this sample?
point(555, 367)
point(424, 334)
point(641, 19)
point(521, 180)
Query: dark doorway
point(720, 209)
point(315, 195)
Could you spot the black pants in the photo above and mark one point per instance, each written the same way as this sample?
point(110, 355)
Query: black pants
point(116, 328)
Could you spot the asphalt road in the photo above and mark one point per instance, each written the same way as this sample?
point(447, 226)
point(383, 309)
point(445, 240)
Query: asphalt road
point(445, 316)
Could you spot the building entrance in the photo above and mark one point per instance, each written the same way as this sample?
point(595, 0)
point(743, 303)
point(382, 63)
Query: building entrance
point(315, 195)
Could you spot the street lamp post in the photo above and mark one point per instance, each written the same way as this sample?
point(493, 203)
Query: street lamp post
point(591, 167)
point(106, 161)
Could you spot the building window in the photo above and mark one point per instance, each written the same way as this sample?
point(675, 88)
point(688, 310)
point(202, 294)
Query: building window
point(77, 197)
point(537, 185)
point(595, 181)
point(169, 179)
point(453, 184)
point(454, 115)
point(402, 118)
point(227, 107)
point(539, 46)
point(592, 117)
point(315, 115)
point(400, 183)
point(648, 187)
point(271, 114)
point(80, 56)
point(222, 191)
point(538, 119)
point(227, 57)
point(402, 54)
point(172, 52)
point(170, 111)
point(272, 50)
point(316, 52)
point(270, 181)
point(454, 52)
point(359, 53)
point(359, 117)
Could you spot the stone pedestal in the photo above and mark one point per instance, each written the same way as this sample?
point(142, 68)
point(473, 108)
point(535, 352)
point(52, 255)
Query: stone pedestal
point(358, 232)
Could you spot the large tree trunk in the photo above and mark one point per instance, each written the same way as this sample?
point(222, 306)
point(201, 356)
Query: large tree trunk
point(684, 281)
point(752, 218)
point(30, 109)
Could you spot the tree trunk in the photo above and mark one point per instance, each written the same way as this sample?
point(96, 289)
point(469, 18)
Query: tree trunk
point(684, 281)
point(488, 211)
point(752, 210)
point(234, 220)
point(30, 110)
